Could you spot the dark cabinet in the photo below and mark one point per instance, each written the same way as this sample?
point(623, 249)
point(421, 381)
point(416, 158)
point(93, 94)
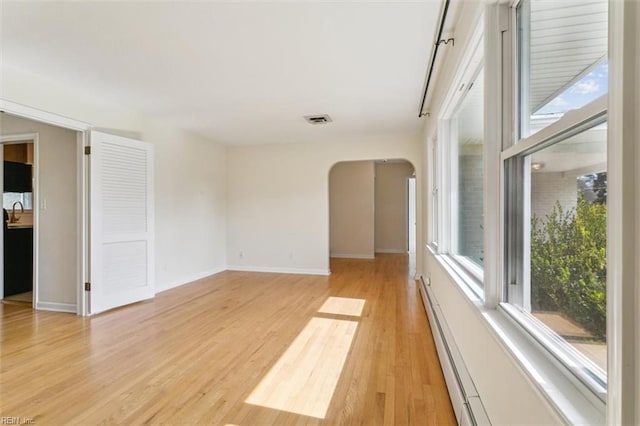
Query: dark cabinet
point(17, 177)
point(18, 260)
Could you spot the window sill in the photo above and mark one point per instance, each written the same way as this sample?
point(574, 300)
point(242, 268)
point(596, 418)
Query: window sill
point(573, 402)
point(469, 274)
point(576, 366)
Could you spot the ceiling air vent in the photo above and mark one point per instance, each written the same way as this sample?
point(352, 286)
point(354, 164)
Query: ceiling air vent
point(317, 119)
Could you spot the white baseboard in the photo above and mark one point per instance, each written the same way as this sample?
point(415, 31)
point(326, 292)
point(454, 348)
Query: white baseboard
point(463, 394)
point(279, 270)
point(57, 307)
point(189, 279)
point(352, 256)
point(391, 251)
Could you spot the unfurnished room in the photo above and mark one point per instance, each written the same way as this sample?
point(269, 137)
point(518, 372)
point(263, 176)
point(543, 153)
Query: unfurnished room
point(320, 213)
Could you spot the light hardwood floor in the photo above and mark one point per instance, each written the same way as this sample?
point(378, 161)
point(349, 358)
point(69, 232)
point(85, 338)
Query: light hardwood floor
point(195, 354)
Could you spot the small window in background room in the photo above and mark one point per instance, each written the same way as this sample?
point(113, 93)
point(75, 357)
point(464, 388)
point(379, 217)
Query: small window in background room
point(9, 198)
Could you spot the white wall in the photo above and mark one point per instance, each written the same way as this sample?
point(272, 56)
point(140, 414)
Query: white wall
point(392, 202)
point(278, 200)
point(351, 204)
point(508, 395)
point(190, 205)
point(57, 263)
point(189, 171)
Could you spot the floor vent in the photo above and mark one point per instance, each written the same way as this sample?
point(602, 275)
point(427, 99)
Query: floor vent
point(466, 402)
point(318, 119)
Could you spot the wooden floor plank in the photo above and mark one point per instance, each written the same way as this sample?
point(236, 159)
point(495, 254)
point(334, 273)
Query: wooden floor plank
point(193, 355)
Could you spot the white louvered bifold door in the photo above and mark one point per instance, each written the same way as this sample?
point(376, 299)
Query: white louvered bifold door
point(121, 205)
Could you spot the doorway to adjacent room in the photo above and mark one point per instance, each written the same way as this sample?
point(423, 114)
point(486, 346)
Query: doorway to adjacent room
point(18, 237)
point(372, 209)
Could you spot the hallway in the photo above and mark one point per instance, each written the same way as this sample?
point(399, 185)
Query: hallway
point(202, 353)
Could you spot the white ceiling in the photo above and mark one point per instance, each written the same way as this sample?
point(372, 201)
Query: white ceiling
point(237, 72)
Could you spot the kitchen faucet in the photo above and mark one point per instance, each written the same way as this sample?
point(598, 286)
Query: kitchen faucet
point(13, 218)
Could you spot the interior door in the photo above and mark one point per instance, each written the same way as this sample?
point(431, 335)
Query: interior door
point(121, 221)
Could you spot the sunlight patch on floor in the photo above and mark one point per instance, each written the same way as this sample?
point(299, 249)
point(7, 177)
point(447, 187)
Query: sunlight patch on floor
point(342, 306)
point(305, 377)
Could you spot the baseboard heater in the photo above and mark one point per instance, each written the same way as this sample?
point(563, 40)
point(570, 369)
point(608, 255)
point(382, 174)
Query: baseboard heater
point(466, 402)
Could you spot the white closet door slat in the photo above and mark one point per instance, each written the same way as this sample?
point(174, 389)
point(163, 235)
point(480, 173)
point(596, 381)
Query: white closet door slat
point(121, 221)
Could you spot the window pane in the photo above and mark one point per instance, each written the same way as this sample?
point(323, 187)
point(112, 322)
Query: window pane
point(9, 198)
point(470, 127)
point(568, 240)
point(562, 53)
point(434, 194)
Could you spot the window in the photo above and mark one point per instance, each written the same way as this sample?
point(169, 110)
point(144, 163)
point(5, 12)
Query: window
point(434, 195)
point(567, 241)
point(460, 167)
point(562, 58)
point(467, 174)
point(556, 185)
point(9, 198)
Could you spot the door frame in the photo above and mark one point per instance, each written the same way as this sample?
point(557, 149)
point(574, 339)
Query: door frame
point(82, 168)
point(412, 229)
point(11, 140)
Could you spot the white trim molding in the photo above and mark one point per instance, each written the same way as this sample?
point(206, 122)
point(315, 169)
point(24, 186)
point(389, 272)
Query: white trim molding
point(190, 279)
point(391, 251)
point(42, 116)
point(300, 271)
point(352, 256)
point(57, 307)
point(623, 239)
point(494, 135)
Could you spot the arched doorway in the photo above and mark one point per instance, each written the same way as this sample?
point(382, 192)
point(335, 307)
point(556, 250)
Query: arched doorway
point(369, 209)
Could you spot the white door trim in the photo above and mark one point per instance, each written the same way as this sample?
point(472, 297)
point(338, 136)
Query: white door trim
point(42, 116)
point(83, 129)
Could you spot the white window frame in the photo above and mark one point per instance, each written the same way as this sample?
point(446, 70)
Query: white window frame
point(589, 378)
point(446, 156)
point(623, 196)
point(517, 291)
point(434, 189)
